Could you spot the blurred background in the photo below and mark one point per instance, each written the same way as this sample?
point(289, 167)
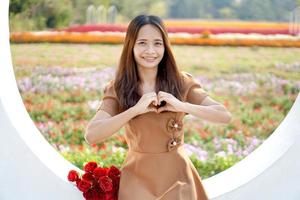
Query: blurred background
point(245, 54)
point(41, 14)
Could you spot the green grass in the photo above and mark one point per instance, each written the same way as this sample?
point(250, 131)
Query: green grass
point(65, 55)
point(210, 61)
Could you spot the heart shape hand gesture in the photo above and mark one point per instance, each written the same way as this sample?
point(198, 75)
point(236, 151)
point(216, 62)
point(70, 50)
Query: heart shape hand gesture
point(163, 101)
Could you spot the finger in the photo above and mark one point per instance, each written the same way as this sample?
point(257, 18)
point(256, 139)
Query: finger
point(162, 99)
point(153, 94)
point(161, 93)
point(150, 95)
point(154, 101)
point(152, 109)
point(161, 109)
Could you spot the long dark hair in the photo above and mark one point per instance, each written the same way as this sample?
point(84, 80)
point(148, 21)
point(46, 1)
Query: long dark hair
point(127, 81)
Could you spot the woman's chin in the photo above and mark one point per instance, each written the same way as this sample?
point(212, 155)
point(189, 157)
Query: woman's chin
point(149, 66)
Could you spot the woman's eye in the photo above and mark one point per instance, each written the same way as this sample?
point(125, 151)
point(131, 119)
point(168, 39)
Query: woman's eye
point(142, 43)
point(158, 43)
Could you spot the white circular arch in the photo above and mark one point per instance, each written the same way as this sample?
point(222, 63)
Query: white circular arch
point(32, 169)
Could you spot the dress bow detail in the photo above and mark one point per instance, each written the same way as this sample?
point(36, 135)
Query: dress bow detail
point(174, 126)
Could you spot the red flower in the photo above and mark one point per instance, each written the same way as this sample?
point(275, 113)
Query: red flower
point(97, 183)
point(105, 183)
point(110, 196)
point(92, 194)
point(90, 166)
point(98, 172)
point(84, 185)
point(116, 182)
point(77, 182)
point(73, 176)
point(89, 177)
point(113, 171)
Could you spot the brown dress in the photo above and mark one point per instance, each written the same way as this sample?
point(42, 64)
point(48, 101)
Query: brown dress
point(154, 170)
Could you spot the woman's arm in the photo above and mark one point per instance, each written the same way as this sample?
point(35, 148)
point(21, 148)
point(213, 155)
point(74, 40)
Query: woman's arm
point(209, 110)
point(103, 125)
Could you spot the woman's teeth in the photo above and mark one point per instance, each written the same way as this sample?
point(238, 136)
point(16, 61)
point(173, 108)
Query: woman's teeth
point(150, 59)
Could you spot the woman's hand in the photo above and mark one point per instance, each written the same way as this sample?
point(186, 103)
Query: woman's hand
point(172, 103)
point(147, 103)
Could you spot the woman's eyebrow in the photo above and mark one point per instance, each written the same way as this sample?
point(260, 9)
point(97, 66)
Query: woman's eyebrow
point(142, 39)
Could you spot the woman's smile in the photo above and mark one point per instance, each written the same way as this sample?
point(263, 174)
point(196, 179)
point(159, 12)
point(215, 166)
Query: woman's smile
point(149, 59)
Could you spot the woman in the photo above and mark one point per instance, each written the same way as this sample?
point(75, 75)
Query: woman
point(150, 97)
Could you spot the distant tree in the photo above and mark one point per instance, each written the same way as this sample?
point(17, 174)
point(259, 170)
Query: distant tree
point(53, 13)
point(256, 10)
point(19, 6)
point(160, 8)
point(40, 14)
point(222, 8)
point(20, 15)
point(227, 13)
point(131, 8)
point(282, 9)
point(184, 8)
point(273, 10)
point(201, 8)
point(206, 9)
point(221, 3)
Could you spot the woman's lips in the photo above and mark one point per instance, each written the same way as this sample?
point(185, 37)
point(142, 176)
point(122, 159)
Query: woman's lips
point(148, 59)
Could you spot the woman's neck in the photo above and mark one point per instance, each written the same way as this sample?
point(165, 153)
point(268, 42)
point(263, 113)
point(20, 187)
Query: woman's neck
point(147, 76)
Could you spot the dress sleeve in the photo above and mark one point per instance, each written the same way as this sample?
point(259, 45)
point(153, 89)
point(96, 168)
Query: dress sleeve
point(195, 94)
point(109, 103)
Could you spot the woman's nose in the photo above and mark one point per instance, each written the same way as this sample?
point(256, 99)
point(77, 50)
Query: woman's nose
point(150, 49)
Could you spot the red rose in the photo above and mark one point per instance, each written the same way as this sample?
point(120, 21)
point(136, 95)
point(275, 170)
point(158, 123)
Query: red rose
point(92, 194)
point(89, 177)
point(116, 181)
point(84, 185)
point(113, 171)
point(98, 172)
point(97, 183)
point(109, 196)
point(73, 176)
point(105, 183)
point(90, 166)
point(77, 182)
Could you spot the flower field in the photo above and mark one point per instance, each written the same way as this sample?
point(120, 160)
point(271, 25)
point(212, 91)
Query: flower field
point(194, 27)
point(62, 97)
point(204, 33)
point(203, 39)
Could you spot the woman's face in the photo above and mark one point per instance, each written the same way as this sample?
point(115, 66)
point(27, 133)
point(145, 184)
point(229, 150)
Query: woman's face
point(149, 47)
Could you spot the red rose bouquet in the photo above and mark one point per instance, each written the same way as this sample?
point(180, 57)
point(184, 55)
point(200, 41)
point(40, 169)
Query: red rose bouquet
point(97, 183)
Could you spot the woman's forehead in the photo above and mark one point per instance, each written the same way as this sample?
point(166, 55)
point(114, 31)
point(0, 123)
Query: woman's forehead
point(149, 31)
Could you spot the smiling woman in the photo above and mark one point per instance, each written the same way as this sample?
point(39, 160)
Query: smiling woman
point(32, 162)
point(146, 77)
